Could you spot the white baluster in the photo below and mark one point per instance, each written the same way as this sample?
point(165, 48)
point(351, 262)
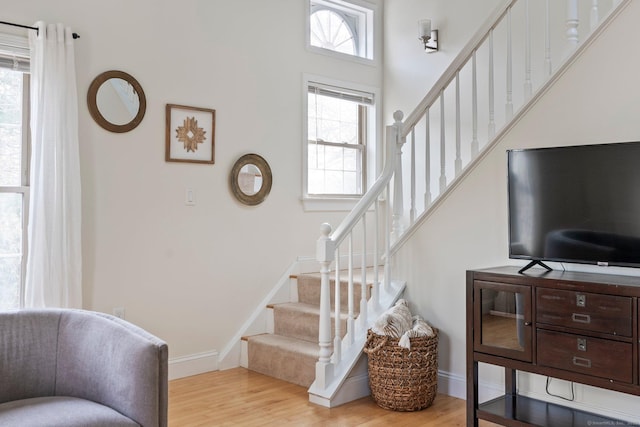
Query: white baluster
point(427, 161)
point(363, 277)
point(509, 103)
point(443, 174)
point(350, 295)
point(394, 142)
point(528, 86)
point(398, 198)
point(458, 163)
point(375, 294)
point(325, 251)
point(547, 39)
point(387, 246)
point(337, 324)
point(475, 145)
point(595, 15)
point(492, 116)
point(572, 23)
point(412, 209)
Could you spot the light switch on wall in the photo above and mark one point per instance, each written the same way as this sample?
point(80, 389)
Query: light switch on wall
point(190, 197)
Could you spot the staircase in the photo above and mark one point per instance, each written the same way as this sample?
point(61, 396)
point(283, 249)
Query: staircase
point(450, 131)
point(290, 350)
point(444, 144)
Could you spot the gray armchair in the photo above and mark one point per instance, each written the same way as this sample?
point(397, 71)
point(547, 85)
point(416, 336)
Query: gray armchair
point(80, 368)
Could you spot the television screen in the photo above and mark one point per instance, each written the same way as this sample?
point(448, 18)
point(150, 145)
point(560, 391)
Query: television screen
point(575, 204)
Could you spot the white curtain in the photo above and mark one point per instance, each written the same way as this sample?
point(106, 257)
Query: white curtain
point(54, 263)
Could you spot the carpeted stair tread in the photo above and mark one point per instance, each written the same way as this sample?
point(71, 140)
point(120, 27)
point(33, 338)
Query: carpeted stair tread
point(309, 291)
point(300, 321)
point(292, 351)
point(357, 276)
point(283, 357)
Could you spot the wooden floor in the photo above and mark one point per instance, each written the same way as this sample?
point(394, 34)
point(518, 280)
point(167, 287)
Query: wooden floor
point(239, 397)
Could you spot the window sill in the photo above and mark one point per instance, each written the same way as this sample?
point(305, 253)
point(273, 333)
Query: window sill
point(336, 204)
point(342, 56)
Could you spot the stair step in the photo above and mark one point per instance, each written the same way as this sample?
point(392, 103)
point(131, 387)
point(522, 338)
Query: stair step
point(309, 288)
point(286, 358)
point(300, 321)
point(291, 352)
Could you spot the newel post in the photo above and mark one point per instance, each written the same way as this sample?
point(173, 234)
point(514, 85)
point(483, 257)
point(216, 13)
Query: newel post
point(393, 136)
point(325, 254)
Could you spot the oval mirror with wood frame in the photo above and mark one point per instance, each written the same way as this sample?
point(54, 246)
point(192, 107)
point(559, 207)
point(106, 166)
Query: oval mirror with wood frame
point(116, 101)
point(251, 179)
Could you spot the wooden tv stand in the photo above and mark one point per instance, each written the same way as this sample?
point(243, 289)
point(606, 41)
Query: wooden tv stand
point(580, 327)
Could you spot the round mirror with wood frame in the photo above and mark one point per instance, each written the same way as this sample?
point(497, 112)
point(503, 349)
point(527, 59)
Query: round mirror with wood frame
point(116, 101)
point(251, 179)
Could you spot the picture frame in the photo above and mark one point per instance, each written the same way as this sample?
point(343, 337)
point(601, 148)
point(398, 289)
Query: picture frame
point(190, 134)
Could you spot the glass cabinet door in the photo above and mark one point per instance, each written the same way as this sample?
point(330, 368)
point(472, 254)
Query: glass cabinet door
point(502, 319)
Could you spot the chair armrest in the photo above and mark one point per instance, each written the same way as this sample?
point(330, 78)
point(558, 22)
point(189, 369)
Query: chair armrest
point(110, 361)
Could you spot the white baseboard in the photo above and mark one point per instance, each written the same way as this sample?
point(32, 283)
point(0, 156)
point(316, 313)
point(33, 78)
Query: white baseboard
point(193, 364)
point(452, 385)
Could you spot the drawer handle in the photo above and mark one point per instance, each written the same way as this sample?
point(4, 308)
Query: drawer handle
point(581, 318)
point(582, 362)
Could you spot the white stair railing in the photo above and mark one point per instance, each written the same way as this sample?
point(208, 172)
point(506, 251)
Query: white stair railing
point(509, 60)
point(446, 110)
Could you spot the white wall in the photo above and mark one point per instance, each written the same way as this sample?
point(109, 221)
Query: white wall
point(409, 72)
point(192, 275)
point(595, 101)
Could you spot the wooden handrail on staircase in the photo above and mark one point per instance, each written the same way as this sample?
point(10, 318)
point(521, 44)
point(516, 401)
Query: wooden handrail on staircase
point(378, 236)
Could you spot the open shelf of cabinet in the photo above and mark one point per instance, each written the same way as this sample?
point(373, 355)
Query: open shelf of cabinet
point(526, 411)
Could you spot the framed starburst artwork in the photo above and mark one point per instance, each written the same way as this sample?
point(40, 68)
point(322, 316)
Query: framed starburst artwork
point(190, 134)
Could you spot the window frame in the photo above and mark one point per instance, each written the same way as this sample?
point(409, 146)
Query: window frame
point(369, 131)
point(360, 146)
point(15, 49)
point(356, 14)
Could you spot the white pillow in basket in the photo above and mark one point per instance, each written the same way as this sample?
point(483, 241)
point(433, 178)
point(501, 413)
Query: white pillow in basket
point(395, 321)
point(420, 329)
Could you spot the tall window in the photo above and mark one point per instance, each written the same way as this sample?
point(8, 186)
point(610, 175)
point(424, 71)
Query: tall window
point(14, 159)
point(341, 26)
point(338, 128)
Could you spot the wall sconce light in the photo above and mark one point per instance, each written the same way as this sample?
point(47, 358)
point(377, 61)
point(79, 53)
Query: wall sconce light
point(428, 36)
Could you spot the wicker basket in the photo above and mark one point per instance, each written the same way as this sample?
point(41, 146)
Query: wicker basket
point(401, 379)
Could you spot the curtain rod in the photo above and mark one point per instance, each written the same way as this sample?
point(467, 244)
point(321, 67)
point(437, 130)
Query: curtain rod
point(75, 35)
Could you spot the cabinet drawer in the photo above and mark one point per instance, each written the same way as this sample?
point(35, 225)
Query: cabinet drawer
point(580, 310)
point(602, 358)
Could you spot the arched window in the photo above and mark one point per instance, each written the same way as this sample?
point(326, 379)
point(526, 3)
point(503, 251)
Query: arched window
point(330, 30)
point(341, 26)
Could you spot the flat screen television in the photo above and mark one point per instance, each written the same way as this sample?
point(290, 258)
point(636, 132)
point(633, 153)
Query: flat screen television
point(577, 204)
